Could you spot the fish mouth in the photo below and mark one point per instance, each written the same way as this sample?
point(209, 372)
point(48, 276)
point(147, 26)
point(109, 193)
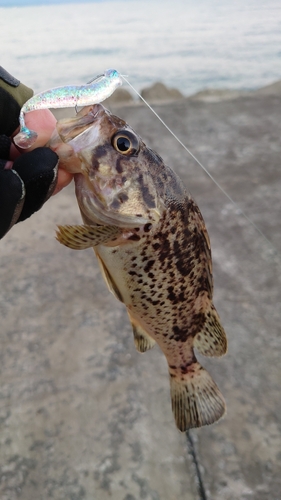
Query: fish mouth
point(85, 131)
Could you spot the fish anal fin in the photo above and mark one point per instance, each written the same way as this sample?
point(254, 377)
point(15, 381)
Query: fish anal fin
point(79, 237)
point(211, 339)
point(196, 399)
point(143, 341)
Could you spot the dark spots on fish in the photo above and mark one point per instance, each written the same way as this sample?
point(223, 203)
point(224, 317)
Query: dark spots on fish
point(187, 367)
point(147, 197)
point(156, 246)
point(140, 281)
point(123, 178)
point(171, 294)
point(184, 261)
point(123, 197)
point(134, 237)
point(187, 233)
point(100, 151)
point(144, 251)
point(119, 167)
point(95, 164)
point(179, 335)
point(150, 275)
point(134, 258)
point(149, 265)
point(138, 215)
point(115, 204)
point(147, 227)
point(132, 273)
point(165, 249)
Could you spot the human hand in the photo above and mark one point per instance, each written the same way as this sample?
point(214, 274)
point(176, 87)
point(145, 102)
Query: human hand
point(27, 179)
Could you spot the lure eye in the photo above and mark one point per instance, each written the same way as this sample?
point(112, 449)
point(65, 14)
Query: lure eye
point(125, 142)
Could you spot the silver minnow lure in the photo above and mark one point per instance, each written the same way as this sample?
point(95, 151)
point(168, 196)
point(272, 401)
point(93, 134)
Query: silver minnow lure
point(68, 96)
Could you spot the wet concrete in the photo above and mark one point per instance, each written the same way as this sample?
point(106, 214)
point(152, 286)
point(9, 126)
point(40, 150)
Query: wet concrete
point(82, 414)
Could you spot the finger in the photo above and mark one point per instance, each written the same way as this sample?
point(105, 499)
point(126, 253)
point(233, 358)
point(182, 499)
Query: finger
point(64, 178)
point(43, 123)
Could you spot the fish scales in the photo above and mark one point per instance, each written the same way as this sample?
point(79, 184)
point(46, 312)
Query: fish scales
point(155, 253)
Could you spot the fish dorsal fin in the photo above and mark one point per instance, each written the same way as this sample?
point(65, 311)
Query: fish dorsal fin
point(196, 399)
point(211, 340)
point(79, 237)
point(143, 341)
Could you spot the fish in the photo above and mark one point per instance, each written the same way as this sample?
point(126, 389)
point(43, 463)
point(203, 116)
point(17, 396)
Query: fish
point(153, 249)
point(68, 96)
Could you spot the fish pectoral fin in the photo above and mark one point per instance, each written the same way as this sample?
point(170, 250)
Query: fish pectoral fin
point(79, 237)
point(196, 399)
point(211, 339)
point(143, 341)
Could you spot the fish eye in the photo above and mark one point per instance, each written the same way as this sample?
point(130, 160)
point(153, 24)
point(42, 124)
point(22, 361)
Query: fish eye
point(125, 142)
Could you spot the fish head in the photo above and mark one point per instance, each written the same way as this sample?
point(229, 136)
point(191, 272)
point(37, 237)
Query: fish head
point(117, 175)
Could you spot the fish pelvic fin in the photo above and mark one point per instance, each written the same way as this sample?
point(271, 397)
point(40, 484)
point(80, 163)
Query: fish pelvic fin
point(143, 341)
point(211, 339)
point(196, 399)
point(79, 237)
point(111, 285)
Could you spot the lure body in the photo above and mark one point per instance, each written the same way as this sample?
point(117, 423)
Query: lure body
point(67, 97)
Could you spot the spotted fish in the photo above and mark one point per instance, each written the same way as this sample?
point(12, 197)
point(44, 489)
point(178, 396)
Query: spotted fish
point(153, 249)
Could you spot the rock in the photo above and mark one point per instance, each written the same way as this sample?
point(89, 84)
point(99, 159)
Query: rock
point(119, 97)
point(272, 89)
point(217, 95)
point(159, 92)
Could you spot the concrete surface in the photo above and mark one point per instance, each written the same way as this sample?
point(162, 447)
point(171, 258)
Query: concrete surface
point(83, 416)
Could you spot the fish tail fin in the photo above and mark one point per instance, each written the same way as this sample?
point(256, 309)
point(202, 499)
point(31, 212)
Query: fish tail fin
point(211, 339)
point(196, 399)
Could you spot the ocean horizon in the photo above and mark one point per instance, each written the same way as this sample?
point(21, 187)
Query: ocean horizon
point(186, 45)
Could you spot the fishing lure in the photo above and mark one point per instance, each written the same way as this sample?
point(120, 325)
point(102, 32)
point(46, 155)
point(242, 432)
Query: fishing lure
point(96, 91)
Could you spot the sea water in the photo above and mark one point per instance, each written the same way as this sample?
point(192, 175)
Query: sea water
point(187, 44)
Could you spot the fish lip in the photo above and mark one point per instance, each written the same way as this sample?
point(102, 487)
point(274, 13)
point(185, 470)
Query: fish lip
point(88, 138)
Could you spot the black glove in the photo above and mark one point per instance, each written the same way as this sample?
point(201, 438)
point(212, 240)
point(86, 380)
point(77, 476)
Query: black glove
point(32, 180)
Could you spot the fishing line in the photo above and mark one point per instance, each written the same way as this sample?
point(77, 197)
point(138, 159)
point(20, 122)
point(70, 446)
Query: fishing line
point(240, 211)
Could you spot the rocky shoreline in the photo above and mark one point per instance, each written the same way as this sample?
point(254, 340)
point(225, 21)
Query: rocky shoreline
point(84, 416)
point(160, 93)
